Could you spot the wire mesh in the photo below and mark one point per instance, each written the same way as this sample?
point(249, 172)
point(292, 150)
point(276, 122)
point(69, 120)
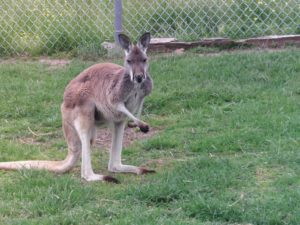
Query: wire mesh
point(195, 19)
point(47, 26)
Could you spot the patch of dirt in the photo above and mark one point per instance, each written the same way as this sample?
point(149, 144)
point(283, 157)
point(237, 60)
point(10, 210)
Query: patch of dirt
point(55, 63)
point(266, 175)
point(103, 139)
point(28, 141)
point(156, 162)
point(52, 63)
point(8, 61)
point(131, 135)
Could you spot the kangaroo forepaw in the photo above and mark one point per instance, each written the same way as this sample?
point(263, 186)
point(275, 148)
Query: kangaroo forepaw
point(145, 171)
point(144, 127)
point(111, 179)
point(131, 124)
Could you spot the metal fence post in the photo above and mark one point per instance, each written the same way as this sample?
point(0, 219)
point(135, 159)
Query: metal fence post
point(118, 18)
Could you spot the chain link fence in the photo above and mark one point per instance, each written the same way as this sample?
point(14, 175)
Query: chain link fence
point(47, 26)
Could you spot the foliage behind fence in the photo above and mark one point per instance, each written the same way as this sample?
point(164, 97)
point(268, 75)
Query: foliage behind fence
point(47, 26)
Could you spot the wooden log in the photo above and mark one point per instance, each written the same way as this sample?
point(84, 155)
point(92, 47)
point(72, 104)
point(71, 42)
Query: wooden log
point(273, 41)
point(164, 46)
point(170, 44)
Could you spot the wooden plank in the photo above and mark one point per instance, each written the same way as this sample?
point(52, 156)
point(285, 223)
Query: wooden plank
point(170, 45)
point(173, 45)
point(272, 41)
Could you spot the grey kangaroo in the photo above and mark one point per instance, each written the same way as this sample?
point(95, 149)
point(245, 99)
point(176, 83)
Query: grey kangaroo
point(103, 94)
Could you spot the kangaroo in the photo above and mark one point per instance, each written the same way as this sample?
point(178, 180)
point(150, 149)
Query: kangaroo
point(103, 94)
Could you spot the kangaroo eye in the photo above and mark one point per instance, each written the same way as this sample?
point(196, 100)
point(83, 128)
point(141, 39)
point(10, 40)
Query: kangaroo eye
point(128, 61)
point(144, 60)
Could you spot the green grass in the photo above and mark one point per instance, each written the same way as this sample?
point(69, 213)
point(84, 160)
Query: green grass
point(227, 153)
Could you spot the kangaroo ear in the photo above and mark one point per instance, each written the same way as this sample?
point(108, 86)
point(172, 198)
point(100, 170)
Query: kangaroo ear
point(144, 41)
point(125, 42)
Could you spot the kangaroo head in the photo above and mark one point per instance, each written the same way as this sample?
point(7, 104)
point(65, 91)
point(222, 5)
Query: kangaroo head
point(136, 63)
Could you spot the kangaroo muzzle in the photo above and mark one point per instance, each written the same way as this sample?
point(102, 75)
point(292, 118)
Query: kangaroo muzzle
point(139, 78)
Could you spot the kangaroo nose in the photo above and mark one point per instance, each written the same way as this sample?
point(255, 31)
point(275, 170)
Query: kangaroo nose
point(139, 78)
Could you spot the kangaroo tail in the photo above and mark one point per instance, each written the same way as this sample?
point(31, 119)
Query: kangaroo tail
point(53, 166)
point(74, 152)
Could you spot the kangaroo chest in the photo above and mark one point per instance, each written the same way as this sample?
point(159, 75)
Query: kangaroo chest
point(134, 100)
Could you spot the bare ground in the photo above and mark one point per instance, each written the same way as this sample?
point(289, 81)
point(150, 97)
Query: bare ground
point(103, 139)
point(131, 135)
point(54, 63)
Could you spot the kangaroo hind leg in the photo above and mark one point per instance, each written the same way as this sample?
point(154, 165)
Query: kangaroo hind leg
point(85, 129)
point(115, 162)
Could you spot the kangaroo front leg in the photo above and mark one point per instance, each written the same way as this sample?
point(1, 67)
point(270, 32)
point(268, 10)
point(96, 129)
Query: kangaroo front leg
point(132, 124)
point(142, 125)
point(115, 162)
point(87, 172)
